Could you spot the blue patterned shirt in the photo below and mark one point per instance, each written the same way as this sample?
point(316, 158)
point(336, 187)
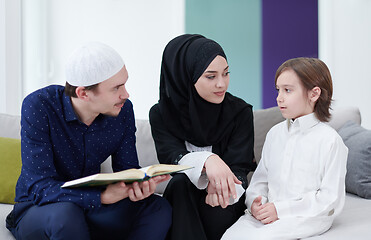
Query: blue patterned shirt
point(58, 147)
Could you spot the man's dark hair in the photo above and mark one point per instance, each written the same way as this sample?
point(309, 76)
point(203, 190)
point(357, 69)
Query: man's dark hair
point(71, 90)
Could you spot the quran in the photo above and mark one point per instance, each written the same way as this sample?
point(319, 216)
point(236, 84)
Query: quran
point(127, 176)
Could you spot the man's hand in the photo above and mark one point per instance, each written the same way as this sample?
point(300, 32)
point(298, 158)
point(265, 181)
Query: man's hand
point(265, 213)
point(221, 181)
point(144, 189)
point(136, 191)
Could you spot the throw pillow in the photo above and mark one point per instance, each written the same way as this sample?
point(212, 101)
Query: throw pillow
point(10, 168)
point(358, 141)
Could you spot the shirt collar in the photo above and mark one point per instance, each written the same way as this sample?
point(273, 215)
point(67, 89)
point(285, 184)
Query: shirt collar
point(69, 113)
point(303, 123)
point(99, 122)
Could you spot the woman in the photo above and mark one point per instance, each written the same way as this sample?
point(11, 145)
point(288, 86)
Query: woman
point(198, 123)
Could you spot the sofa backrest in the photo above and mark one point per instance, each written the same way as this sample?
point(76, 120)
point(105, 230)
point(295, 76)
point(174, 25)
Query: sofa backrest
point(10, 126)
point(339, 116)
point(263, 121)
point(145, 144)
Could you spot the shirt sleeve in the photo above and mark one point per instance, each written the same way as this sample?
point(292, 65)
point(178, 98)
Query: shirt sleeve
point(238, 153)
point(39, 180)
point(198, 177)
point(259, 181)
point(169, 148)
point(196, 160)
point(329, 199)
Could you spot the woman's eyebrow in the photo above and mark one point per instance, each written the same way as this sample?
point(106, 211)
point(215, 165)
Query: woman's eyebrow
point(213, 71)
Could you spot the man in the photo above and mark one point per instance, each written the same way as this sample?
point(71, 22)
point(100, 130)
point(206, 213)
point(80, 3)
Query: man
point(67, 132)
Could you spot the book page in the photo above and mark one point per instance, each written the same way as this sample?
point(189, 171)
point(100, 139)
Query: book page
point(160, 169)
point(128, 176)
point(122, 175)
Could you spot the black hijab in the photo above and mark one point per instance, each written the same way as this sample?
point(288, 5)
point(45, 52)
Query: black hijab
point(187, 115)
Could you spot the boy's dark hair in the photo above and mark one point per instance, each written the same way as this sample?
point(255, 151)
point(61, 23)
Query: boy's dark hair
point(313, 73)
point(70, 90)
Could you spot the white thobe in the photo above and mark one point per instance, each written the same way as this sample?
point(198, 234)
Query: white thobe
point(302, 171)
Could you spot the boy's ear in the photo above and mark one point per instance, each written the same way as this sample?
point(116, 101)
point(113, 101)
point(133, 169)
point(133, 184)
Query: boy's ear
point(81, 93)
point(314, 94)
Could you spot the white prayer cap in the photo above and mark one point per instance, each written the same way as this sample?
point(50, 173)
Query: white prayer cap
point(92, 63)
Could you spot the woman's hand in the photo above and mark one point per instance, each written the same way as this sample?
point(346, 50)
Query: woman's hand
point(213, 199)
point(221, 181)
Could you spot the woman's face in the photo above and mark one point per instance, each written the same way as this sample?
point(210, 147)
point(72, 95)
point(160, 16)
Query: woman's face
point(213, 83)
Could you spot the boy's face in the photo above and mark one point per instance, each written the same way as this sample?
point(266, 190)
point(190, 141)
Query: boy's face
point(111, 94)
point(293, 99)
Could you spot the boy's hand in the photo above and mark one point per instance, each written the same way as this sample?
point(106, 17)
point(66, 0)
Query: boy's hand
point(265, 213)
point(268, 213)
point(256, 206)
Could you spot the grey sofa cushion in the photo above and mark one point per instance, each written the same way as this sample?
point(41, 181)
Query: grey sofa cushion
point(264, 120)
point(358, 141)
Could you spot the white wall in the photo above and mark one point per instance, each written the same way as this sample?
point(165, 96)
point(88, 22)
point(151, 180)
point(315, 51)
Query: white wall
point(2, 56)
point(138, 30)
point(35, 46)
point(10, 56)
point(345, 46)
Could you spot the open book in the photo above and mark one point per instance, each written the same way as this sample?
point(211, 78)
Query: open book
point(128, 176)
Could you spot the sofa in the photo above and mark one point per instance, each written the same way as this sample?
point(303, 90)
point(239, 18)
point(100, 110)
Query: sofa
point(353, 223)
